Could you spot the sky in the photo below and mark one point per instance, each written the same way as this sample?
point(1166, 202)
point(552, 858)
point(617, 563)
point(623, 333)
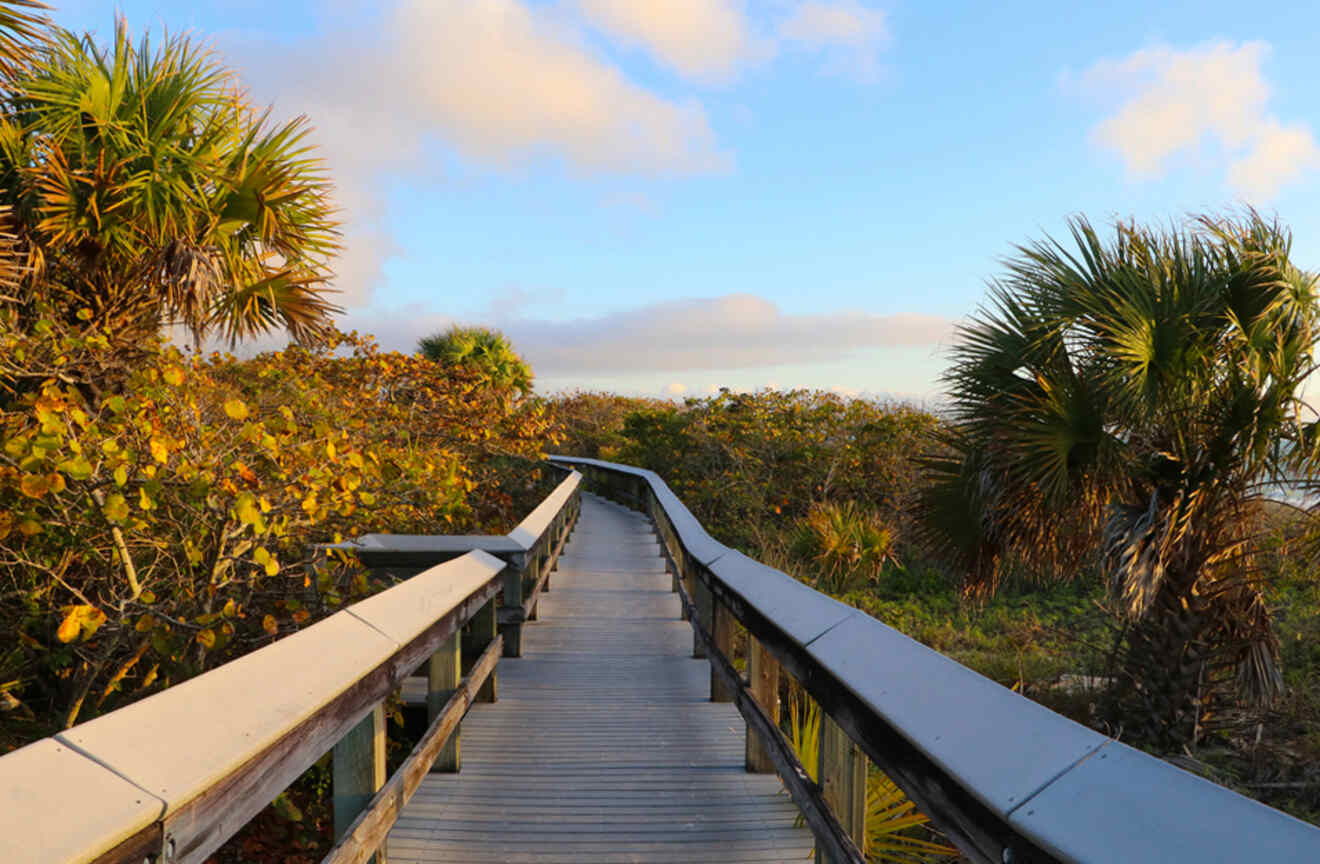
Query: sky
point(666, 197)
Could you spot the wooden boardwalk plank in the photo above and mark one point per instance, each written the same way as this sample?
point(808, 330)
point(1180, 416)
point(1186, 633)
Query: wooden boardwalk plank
point(604, 745)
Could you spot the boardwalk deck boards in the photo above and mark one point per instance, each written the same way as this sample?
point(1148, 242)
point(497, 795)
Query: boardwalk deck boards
point(604, 745)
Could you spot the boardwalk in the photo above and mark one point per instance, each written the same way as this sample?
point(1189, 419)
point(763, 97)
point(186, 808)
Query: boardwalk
point(604, 746)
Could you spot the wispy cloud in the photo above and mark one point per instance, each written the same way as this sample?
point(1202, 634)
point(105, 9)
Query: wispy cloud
point(498, 82)
point(506, 83)
point(707, 40)
point(1173, 101)
point(858, 30)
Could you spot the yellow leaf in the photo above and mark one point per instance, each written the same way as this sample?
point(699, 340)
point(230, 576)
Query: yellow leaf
point(206, 638)
point(270, 625)
point(261, 555)
point(236, 409)
point(29, 527)
point(330, 449)
point(34, 485)
point(144, 500)
point(246, 510)
point(272, 567)
point(159, 451)
point(173, 376)
point(69, 627)
point(301, 615)
point(121, 475)
point(115, 508)
point(6, 523)
point(82, 620)
point(148, 597)
point(309, 504)
point(230, 610)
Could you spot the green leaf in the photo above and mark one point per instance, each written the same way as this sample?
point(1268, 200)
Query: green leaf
point(77, 468)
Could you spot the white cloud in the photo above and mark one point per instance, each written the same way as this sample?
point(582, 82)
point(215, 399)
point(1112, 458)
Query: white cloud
point(501, 82)
point(1280, 155)
point(819, 25)
point(1174, 101)
point(701, 39)
point(498, 81)
point(733, 332)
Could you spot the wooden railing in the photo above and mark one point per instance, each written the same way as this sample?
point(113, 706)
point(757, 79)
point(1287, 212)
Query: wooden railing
point(1004, 778)
point(169, 779)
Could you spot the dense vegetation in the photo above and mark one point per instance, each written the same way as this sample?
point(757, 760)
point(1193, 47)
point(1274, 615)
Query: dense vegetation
point(1095, 523)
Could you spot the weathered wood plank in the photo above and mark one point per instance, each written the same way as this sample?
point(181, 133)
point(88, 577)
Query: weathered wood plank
point(366, 833)
point(604, 745)
point(831, 837)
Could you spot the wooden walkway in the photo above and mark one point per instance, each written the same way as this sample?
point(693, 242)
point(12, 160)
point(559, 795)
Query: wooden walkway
point(603, 746)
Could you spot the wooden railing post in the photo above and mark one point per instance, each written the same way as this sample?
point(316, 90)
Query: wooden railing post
point(721, 631)
point(535, 561)
point(478, 634)
point(703, 600)
point(442, 677)
point(513, 599)
point(763, 681)
point(682, 567)
point(842, 773)
point(358, 771)
point(556, 532)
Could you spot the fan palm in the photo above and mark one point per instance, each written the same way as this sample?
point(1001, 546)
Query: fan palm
point(145, 189)
point(1131, 403)
point(488, 352)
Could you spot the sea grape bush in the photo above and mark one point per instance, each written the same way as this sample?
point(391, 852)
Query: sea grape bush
point(751, 465)
point(159, 529)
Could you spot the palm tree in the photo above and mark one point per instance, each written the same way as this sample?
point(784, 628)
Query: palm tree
point(22, 29)
point(485, 351)
point(1131, 403)
point(144, 190)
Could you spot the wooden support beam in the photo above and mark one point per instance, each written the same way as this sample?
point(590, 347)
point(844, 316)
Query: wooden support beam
point(442, 677)
point(842, 774)
point(358, 771)
point(763, 682)
point(722, 635)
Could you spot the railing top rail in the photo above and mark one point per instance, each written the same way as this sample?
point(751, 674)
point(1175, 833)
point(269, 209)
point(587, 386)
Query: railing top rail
point(699, 544)
point(425, 549)
point(172, 755)
point(972, 752)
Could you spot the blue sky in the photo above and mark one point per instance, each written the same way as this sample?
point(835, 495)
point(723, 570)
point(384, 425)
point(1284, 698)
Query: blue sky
point(667, 196)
